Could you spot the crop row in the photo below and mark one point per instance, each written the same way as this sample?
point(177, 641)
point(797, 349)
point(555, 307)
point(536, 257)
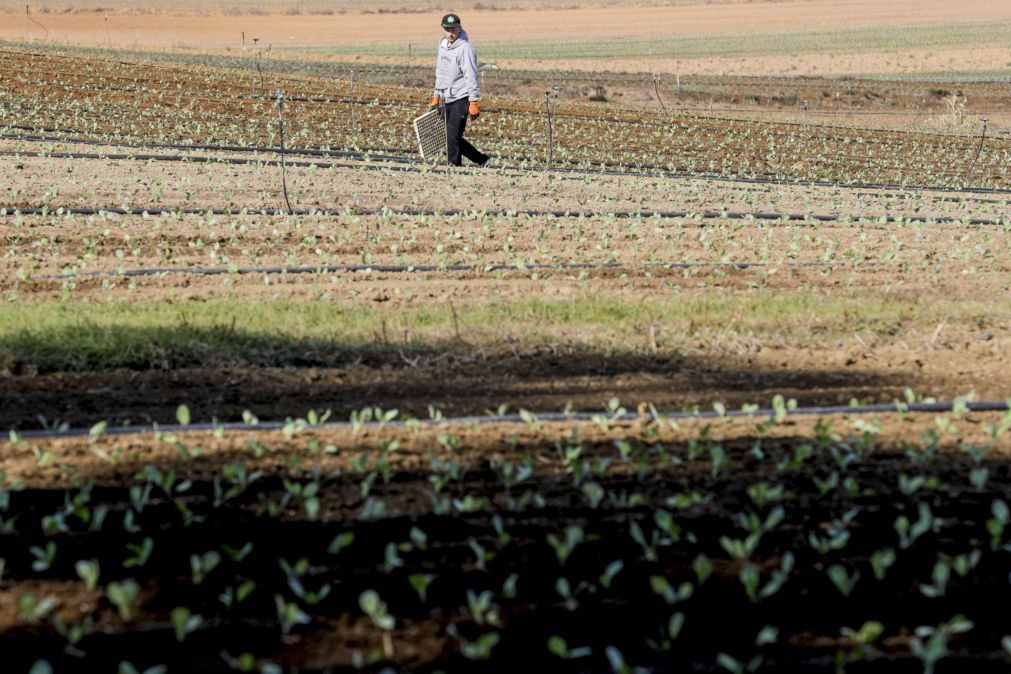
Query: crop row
point(209, 105)
point(546, 533)
point(68, 243)
point(855, 93)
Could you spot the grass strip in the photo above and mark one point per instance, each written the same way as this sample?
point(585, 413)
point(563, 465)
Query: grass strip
point(81, 336)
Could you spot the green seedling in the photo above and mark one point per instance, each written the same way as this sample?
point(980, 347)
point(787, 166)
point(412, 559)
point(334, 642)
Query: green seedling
point(662, 587)
point(751, 579)
point(612, 570)
point(668, 634)
point(940, 576)
point(735, 666)
point(703, 568)
point(558, 647)
point(340, 541)
point(202, 565)
point(141, 553)
point(419, 583)
point(233, 596)
point(73, 632)
point(375, 608)
point(124, 596)
point(184, 622)
point(881, 561)
point(926, 522)
point(564, 547)
point(479, 649)
point(44, 557)
point(32, 609)
point(995, 525)
point(88, 571)
point(844, 581)
point(509, 586)
point(482, 608)
point(237, 554)
point(289, 615)
point(931, 643)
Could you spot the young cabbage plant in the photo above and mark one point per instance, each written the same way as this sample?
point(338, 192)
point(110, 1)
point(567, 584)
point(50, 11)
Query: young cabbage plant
point(375, 608)
point(124, 596)
point(141, 553)
point(482, 608)
point(480, 648)
point(931, 643)
point(565, 546)
point(126, 667)
point(88, 571)
point(44, 557)
point(202, 565)
point(184, 622)
point(910, 532)
point(559, 647)
point(31, 609)
point(289, 615)
point(843, 580)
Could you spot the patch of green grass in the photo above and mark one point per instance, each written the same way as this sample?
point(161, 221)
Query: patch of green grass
point(85, 336)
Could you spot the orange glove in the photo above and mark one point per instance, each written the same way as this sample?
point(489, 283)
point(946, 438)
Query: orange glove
point(474, 111)
point(435, 102)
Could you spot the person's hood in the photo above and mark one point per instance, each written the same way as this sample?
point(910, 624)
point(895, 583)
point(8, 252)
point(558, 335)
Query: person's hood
point(459, 40)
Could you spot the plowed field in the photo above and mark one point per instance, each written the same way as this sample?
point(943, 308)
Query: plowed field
point(694, 394)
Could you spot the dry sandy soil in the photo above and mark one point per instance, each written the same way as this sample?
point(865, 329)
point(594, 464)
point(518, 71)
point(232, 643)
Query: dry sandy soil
point(211, 32)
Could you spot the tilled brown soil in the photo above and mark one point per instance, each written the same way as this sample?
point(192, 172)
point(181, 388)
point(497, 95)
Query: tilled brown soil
point(463, 381)
point(462, 529)
point(776, 541)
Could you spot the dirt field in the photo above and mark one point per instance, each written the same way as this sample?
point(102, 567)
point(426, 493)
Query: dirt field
point(602, 415)
point(210, 32)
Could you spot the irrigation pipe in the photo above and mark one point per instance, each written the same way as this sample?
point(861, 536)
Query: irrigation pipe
point(373, 154)
point(426, 268)
point(191, 159)
point(624, 215)
point(284, 171)
point(884, 408)
point(417, 166)
point(32, 19)
point(979, 149)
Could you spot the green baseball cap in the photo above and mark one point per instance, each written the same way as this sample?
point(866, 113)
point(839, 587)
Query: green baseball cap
point(451, 21)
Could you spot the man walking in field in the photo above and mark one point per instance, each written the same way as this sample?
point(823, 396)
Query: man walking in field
point(456, 87)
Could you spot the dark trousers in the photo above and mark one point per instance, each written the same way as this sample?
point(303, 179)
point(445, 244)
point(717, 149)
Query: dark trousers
point(456, 144)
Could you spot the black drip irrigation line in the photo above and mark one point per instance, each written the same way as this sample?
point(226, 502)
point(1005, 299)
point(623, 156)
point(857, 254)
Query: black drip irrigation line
point(764, 216)
point(936, 198)
point(884, 408)
point(191, 159)
point(606, 168)
point(429, 268)
point(374, 154)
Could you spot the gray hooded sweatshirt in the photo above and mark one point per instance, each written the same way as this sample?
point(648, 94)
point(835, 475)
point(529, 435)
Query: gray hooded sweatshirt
point(456, 70)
